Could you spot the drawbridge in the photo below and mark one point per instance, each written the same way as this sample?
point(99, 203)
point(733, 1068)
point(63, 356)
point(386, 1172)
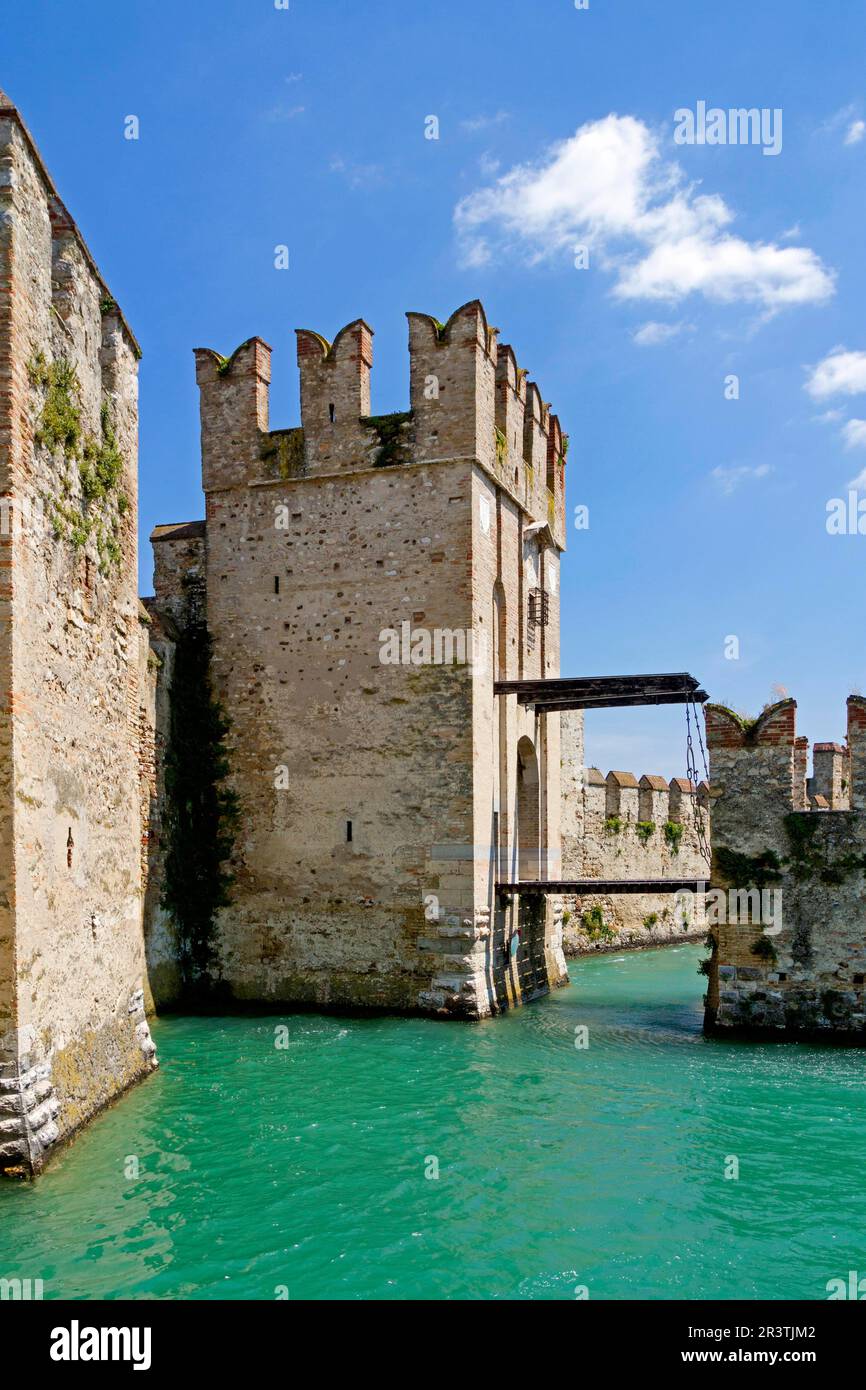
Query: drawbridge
point(613, 692)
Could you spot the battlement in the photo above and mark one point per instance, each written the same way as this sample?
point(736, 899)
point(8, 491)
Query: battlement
point(767, 761)
point(795, 963)
point(468, 399)
point(648, 799)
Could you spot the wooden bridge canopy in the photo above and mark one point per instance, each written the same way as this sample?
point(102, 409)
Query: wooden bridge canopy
point(604, 692)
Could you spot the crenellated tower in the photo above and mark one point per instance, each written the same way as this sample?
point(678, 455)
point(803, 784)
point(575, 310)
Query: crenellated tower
point(366, 579)
point(788, 904)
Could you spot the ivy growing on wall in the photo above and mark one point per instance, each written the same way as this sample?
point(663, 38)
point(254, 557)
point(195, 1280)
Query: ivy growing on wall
point(201, 811)
point(93, 509)
point(673, 833)
point(748, 870)
point(809, 860)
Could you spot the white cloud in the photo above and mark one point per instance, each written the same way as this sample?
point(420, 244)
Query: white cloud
point(652, 334)
point(608, 186)
point(829, 417)
point(283, 113)
point(840, 373)
point(358, 175)
point(855, 132)
point(476, 123)
point(729, 479)
point(854, 434)
point(859, 483)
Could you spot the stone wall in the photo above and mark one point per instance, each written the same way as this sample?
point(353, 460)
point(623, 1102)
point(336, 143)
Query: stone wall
point(72, 1024)
point(621, 826)
point(795, 964)
point(380, 797)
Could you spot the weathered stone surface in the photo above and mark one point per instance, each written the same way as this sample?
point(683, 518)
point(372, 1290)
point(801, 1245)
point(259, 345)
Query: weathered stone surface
point(71, 946)
point(384, 841)
point(606, 834)
point(807, 978)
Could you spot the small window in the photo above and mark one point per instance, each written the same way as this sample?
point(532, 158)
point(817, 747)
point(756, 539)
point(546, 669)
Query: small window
point(348, 832)
point(276, 583)
point(332, 412)
point(539, 607)
point(70, 845)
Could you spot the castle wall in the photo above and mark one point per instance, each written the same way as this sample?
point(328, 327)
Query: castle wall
point(795, 964)
point(71, 953)
point(627, 827)
point(372, 787)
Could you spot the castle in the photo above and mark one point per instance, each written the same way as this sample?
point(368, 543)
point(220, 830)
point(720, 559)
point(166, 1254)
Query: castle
point(300, 773)
point(381, 790)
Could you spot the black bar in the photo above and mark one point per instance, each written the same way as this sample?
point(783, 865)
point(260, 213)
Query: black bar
point(601, 885)
point(604, 692)
point(670, 697)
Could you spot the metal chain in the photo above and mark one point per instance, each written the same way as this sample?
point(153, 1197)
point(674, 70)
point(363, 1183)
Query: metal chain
point(692, 775)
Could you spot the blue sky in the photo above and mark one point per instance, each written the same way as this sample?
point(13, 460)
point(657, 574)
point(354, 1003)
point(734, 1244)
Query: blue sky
point(306, 127)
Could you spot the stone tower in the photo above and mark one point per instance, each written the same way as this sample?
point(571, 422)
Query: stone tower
point(789, 871)
point(367, 579)
point(72, 1024)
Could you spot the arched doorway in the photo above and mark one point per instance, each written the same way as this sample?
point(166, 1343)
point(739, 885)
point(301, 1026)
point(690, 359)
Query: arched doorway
point(528, 812)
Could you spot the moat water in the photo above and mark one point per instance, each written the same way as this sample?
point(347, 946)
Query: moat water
point(263, 1169)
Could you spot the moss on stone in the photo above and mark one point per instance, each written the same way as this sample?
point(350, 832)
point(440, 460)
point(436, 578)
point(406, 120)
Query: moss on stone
point(810, 859)
point(99, 462)
point(202, 812)
point(282, 452)
point(673, 832)
point(59, 424)
point(501, 444)
point(764, 949)
point(745, 870)
point(395, 437)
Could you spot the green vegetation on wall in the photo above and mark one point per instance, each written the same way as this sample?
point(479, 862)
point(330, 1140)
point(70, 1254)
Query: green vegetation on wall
point(201, 811)
point(747, 870)
point(811, 860)
point(93, 509)
point(283, 453)
point(395, 437)
point(673, 833)
point(595, 926)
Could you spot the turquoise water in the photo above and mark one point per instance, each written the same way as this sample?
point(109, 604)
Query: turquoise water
point(304, 1167)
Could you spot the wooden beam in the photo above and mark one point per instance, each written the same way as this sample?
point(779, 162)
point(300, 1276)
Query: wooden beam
point(584, 886)
point(604, 692)
point(669, 697)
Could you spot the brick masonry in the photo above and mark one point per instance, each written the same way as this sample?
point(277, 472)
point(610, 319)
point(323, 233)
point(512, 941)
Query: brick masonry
point(806, 979)
point(73, 1032)
point(380, 800)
